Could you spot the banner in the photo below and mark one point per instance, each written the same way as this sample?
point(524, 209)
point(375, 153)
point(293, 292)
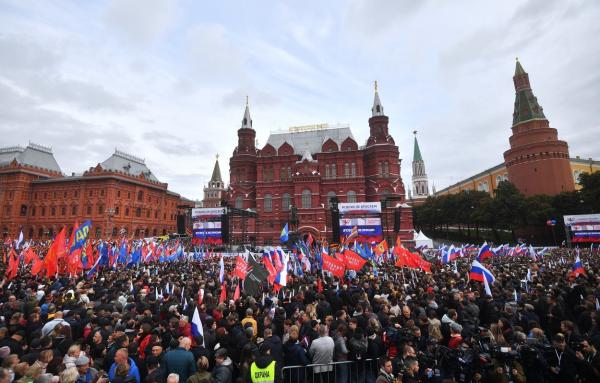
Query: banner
point(359, 207)
point(206, 224)
point(583, 227)
point(369, 229)
point(353, 261)
point(335, 266)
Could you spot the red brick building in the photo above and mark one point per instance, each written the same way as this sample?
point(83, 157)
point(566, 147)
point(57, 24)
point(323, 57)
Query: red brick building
point(119, 195)
point(537, 161)
point(305, 167)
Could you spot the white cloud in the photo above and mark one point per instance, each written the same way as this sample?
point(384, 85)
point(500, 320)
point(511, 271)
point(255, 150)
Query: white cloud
point(141, 21)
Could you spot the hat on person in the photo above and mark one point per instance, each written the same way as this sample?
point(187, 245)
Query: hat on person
point(455, 327)
point(221, 353)
point(82, 361)
point(558, 337)
point(249, 331)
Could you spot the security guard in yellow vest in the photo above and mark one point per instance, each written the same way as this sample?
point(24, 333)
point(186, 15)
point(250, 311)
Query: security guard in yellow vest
point(264, 369)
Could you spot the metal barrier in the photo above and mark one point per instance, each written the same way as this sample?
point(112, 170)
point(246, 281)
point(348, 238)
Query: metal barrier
point(355, 371)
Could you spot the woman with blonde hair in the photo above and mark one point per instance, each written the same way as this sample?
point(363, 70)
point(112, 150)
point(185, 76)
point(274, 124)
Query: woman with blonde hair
point(69, 375)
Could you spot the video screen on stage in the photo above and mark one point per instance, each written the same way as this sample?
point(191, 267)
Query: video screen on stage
point(206, 225)
point(583, 227)
point(360, 221)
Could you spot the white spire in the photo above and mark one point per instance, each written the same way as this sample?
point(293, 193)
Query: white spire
point(377, 108)
point(247, 121)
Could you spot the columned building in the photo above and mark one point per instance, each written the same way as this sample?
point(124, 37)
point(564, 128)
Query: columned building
point(301, 170)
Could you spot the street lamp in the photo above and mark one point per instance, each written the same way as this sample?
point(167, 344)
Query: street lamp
point(110, 212)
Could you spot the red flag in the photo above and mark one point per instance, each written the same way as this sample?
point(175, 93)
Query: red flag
point(30, 256)
point(74, 264)
point(223, 296)
point(236, 294)
point(241, 268)
point(57, 251)
point(270, 269)
point(13, 265)
point(319, 285)
point(335, 266)
point(89, 254)
point(353, 260)
point(38, 265)
point(309, 240)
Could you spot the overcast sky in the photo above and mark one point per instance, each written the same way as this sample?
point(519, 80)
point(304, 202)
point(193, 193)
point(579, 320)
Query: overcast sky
point(167, 80)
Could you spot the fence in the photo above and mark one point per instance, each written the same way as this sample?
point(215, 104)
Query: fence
point(359, 371)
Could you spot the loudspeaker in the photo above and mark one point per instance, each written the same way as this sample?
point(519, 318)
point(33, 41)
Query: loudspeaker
point(180, 224)
point(396, 220)
point(225, 225)
point(335, 226)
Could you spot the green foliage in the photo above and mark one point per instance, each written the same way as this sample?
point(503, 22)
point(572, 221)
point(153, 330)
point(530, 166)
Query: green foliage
point(475, 215)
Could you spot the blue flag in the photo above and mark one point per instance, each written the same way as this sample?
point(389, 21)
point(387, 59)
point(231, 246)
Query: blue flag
point(81, 234)
point(283, 237)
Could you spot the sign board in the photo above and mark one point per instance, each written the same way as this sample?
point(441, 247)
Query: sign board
point(206, 224)
point(583, 227)
point(359, 207)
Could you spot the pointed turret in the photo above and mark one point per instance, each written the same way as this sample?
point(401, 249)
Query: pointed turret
point(419, 178)
point(247, 121)
point(417, 151)
point(216, 174)
point(377, 108)
point(537, 161)
point(526, 104)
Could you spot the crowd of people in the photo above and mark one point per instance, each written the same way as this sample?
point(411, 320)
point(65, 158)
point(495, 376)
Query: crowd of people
point(134, 324)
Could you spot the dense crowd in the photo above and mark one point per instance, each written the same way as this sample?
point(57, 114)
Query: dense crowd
point(134, 324)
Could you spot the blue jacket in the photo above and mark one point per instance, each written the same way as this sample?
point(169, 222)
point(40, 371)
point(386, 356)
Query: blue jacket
point(133, 371)
point(181, 362)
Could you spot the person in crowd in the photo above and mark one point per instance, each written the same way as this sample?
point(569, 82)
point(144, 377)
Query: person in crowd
point(321, 353)
point(202, 374)
point(223, 370)
point(180, 360)
point(123, 364)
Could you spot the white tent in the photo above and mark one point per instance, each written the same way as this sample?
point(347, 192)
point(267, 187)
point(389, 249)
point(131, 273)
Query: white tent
point(421, 240)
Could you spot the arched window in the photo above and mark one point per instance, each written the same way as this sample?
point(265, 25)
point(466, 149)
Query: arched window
point(286, 201)
point(346, 170)
point(306, 199)
point(114, 232)
point(268, 203)
point(98, 232)
point(333, 171)
point(239, 202)
point(327, 174)
point(353, 170)
point(330, 196)
point(351, 196)
point(379, 168)
point(386, 168)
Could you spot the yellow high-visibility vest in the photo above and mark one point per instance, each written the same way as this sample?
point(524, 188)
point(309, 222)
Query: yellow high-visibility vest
point(262, 375)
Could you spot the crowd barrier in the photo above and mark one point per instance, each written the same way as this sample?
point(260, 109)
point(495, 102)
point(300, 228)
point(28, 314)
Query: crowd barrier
point(359, 371)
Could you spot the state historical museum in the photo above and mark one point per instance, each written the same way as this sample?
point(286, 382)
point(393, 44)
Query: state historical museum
point(299, 175)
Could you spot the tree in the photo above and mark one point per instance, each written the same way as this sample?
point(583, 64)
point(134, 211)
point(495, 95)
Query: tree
point(509, 207)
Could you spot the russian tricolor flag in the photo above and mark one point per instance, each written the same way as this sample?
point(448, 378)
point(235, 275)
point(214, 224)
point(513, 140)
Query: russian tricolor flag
point(484, 252)
point(478, 272)
point(577, 267)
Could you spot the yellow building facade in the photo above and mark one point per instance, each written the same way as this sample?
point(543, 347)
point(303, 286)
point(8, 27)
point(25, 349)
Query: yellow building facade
point(489, 179)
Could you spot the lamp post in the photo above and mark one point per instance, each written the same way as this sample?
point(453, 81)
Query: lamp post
point(110, 212)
